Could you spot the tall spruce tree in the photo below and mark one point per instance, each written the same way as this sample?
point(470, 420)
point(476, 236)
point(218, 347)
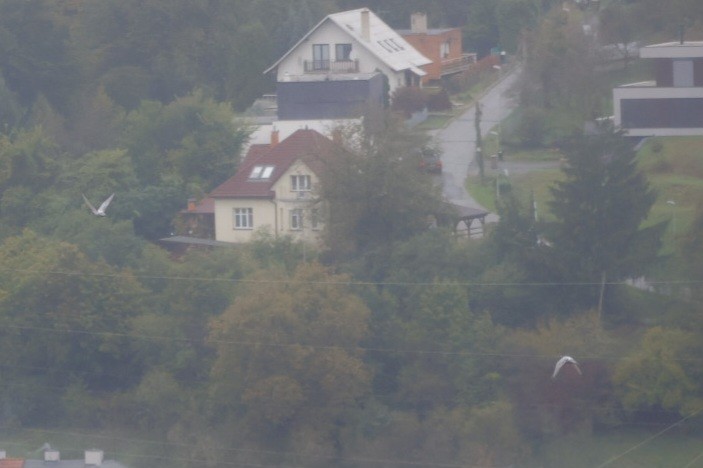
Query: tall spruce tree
point(599, 207)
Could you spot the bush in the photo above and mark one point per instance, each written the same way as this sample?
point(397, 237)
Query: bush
point(409, 100)
point(532, 127)
point(439, 101)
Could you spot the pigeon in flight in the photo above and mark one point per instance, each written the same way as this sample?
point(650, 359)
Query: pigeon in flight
point(562, 361)
point(100, 211)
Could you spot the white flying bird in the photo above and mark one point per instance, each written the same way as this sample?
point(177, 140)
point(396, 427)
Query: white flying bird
point(100, 211)
point(562, 361)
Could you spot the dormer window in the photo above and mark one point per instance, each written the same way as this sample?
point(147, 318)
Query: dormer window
point(261, 172)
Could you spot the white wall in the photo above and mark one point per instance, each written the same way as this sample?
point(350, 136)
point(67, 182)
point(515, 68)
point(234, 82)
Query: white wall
point(330, 33)
point(273, 214)
point(264, 215)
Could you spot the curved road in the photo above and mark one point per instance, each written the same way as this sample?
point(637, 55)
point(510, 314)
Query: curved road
point(458, 140)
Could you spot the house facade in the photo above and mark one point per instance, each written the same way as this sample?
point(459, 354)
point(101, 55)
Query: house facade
point(276, 190)
point(355, 43)
point(672, 103)
point(442, 46)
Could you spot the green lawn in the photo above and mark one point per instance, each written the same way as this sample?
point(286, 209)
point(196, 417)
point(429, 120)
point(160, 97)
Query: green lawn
point(674, 167)
point(435, 122)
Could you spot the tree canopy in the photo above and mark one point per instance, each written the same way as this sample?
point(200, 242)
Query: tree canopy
point(599, 207)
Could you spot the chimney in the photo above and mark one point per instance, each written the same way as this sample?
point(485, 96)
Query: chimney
point(418, 22)
point(274, 138)
point(94, 457)
point(51, 455)
point(191, 204)
point(366, 24)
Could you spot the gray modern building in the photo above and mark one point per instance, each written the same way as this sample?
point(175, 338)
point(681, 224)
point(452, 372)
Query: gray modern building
point(672, 103)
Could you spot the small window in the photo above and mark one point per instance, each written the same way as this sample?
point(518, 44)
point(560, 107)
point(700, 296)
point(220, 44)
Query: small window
point(243, 218)
point(300, 183)
point(444, 50)
point(268, 170)
point(342, 52)
point(400, 47)
point(261, 172)
point(296, 219)
point(256, 172)
point(392, 45)
point(385, 47)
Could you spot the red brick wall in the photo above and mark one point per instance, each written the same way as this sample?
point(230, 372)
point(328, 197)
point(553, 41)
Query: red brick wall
point(429, 45)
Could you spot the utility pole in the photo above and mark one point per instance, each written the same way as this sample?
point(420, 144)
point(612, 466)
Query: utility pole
point(479, 142)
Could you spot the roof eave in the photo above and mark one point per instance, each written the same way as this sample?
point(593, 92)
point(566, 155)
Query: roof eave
point(303, 39)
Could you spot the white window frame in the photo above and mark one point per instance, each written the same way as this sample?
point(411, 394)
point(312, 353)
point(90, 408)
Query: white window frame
point(300, 183)
point(342, 52)
point(296, 219)
point(444, 49)
point(321, 56)
point(243, 218)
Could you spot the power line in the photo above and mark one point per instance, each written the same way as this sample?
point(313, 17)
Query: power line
point(690, 464)
point(349, 282)
point(363, 349)
point(649, 439)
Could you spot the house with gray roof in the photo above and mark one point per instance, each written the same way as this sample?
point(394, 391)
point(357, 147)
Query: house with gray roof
point(347, 62)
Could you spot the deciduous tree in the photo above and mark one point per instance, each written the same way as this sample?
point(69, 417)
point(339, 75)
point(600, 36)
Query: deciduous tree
point(660, 373)
point(376, 193)
point(287, 356)
point(65, 320)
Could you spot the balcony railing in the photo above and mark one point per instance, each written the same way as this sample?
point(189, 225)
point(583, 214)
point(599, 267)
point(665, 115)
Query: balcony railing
point(331, 66)
point(457, 65)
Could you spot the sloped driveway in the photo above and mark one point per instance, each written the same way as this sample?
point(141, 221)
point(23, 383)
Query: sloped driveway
point(458, 141)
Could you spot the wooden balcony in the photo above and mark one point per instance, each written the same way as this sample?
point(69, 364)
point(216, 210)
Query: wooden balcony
point(456, 65)
point(331, 66)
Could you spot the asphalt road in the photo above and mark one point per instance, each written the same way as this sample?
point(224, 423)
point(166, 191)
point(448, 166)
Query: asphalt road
point(458, 140)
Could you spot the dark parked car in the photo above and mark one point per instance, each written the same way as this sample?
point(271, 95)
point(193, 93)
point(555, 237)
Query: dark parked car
point(430, 161)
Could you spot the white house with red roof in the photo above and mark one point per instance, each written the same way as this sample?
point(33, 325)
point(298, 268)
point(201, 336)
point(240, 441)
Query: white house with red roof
point(275, 189)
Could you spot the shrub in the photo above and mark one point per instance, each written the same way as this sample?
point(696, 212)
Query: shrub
point(532, 127)
point(409, 100)
point(439, 101)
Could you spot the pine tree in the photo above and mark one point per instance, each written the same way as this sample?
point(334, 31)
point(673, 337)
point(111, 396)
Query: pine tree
point(600, 206)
